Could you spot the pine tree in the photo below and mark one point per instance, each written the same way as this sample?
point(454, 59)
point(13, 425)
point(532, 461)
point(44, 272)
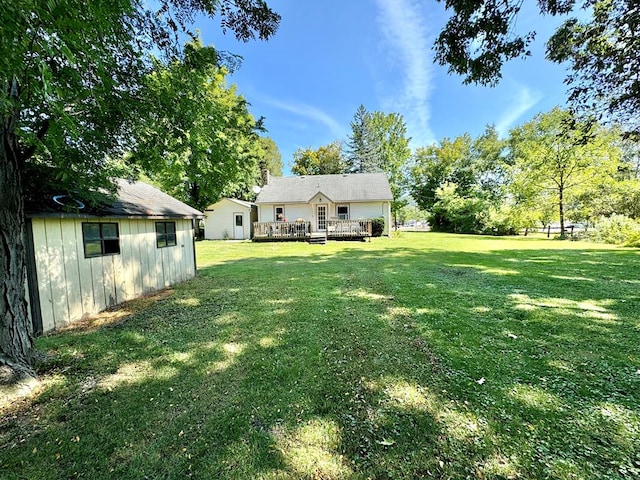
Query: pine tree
point(363, 154)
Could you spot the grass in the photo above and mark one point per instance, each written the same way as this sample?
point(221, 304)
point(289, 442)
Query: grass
point(425, 356)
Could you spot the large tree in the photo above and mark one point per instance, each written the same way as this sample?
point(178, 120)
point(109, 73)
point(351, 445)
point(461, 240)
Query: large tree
point(556, 156)
point(600, 44)
point(389, 134)
point(437, 164)
point(70, 77)
point(363, 154)
point(199, 139)
point(270, 156)
point(325, 160)
point(459, 179)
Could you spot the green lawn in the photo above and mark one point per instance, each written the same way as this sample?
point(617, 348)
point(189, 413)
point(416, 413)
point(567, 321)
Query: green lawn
point(426, 356)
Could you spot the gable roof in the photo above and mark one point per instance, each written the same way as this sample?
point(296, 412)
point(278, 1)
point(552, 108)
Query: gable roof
point(357, 187)
point(134, 199)
point(242, 203)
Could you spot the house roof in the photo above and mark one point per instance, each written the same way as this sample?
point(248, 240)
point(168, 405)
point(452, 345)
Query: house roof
point(242, 203)
point(133, 199)
point(358, 187)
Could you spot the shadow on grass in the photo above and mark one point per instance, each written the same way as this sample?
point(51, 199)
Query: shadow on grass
point(356, 362)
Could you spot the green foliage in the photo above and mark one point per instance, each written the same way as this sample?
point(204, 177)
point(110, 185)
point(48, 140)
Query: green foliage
point(270, 156)
point(411, 212)
point(599, 46)
point(71, 79)
point(459, 181)
point(363, 151)
point(476, 166)
point(455, 213)
point(199, 141)
point(378, 143)
point(617, 230)
point(377, 226)
point(390, 135)
point(633, 240)
point(326, 160)
point(71, 72)
point(556, 158)
point(503, 220)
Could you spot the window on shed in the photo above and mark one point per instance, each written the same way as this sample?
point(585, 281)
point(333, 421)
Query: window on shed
point(165, 234)
point(343, 212)
point(279, 210)
point(100, 239)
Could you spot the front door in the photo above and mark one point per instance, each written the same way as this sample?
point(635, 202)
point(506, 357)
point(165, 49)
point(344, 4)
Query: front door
point(238, 229)
point(322, 217)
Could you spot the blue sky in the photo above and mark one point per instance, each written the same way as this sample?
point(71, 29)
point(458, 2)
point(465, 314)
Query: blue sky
point(330, 56)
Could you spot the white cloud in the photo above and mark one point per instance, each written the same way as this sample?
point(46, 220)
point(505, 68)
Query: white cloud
point(307, 112)
point(407, 39)
point(523, 100)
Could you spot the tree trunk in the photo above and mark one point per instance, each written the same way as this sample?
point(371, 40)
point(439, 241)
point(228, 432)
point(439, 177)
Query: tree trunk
point(16, 331)
point(561, 207)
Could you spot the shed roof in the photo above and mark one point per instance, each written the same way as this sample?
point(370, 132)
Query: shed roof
point(133, 199)
point(358, 187)
point(242, 203)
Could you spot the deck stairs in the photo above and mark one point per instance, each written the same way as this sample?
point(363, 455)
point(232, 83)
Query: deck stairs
point(318, 238)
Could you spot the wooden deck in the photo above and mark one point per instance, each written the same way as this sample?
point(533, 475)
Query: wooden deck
point(302, 231)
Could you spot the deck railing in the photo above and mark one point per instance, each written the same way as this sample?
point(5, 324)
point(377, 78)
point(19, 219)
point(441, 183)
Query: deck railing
point(302, 230)
point(281, 230)
point(348, 228)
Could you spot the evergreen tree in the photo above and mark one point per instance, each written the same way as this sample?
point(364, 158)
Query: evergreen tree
point(363, 152)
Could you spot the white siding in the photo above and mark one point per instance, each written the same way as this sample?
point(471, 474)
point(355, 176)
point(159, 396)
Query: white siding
point(71, 286)
point(357, 210)
point(291, 211)
point(372, 210)
point(219, 220)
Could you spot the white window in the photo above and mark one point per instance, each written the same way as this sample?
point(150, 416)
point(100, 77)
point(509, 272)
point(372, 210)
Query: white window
point(279, 213)
point(342, 212)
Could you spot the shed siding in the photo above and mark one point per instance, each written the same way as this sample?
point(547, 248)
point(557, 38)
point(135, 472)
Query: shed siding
point(71, 286)
point(219, 221)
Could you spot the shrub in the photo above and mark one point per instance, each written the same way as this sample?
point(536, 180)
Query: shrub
point(633, 240)
point(616, 229)
point(377, 226)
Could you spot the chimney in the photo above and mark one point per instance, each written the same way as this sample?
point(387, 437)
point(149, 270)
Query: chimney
point(264, 174)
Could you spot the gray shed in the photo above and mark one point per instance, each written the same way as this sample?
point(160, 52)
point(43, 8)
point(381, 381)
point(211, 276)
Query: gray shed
point(83, 260)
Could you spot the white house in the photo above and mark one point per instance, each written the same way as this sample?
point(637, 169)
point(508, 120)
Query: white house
point(230, 219)
point(83, 260)
point(319, 199)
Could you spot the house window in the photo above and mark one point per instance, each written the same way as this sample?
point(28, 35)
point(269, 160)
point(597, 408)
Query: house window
point(343, 212)
point(165, 234)
point(100, 239)
point(279, 210)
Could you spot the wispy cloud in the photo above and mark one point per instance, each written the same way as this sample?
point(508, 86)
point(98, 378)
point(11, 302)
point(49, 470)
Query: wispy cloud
point(408, 40)
point(307, 112)
point(523, 99)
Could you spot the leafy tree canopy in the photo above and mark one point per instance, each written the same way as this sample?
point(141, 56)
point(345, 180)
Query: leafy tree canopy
point(270, 156)
point(600, 46)
point(199, 138)
point(555, 156)
point(325, 160)
point(71, 75)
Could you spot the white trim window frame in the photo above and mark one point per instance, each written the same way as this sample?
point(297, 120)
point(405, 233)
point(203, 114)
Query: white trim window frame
point(277, 211)
point(344, 214)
